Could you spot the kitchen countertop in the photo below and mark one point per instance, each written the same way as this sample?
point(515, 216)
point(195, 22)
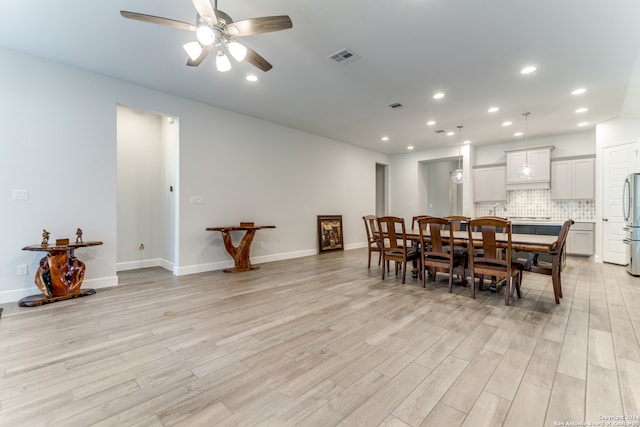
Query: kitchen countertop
point(541, 221)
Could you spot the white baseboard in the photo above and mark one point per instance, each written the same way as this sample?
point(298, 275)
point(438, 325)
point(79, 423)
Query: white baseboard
point(213, 266)
point(145, 263)
point(100, 282)
point(15, 295)
point(355, 246)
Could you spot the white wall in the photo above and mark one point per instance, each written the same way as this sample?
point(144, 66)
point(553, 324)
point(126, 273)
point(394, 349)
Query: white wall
point(609, 133)
point(567, 145)
point(170, 138)
point(435, 187)
point(59, 142)
point(405, 180)
point(146, 158)
point(407, 199)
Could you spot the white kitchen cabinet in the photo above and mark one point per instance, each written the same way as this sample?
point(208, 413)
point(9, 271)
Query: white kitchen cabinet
point(580, 239)
point(572, 178)
point(540, 161)
point(489, 183)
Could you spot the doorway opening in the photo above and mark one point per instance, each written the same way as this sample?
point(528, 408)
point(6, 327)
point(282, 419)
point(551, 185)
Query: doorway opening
point(438, 194)
point(147, 190)
point(381, 189)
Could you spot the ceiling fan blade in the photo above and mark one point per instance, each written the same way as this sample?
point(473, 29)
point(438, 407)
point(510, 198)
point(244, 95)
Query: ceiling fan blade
point(199, 59)
point(205, 10)
point(265, 24)
point(158, 20)
point(256, 60)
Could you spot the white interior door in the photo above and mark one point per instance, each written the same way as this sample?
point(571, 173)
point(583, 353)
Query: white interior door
point(618, 162)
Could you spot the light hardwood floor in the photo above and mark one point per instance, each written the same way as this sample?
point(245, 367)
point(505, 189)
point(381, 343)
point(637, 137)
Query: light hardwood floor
point(323, 341)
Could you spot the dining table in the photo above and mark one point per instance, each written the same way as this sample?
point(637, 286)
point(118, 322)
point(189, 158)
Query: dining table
point(519, 242)
point(532, 243)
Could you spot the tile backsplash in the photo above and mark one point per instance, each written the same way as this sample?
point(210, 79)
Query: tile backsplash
point(538, 204)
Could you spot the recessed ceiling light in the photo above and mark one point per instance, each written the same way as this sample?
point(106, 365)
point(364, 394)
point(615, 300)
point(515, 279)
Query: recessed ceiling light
point(507, 124)
point(385, 138)
point(252, 78)
point(438, 95)
point(579, 91)
point(493, 109)
point(410, 147)
point(528, 69)
point(517, 134)
point(466, 142)
point(450, 133)
point(582, 110)
point(431, 123)
point(583, 124)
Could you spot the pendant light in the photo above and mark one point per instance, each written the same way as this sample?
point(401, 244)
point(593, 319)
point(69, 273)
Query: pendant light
point(526, 170)
point(458, 175)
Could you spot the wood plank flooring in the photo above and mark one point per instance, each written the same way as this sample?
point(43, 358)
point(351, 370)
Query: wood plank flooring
point(323, 341)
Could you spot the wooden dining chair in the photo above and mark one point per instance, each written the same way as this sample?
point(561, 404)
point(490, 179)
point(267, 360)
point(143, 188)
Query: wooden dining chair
point(394, 245)
point(373, 237)
point(555, 267)
point(493, 261)
point(456, 222)
point(416, 244)
point(415, 219)
point(436, 238)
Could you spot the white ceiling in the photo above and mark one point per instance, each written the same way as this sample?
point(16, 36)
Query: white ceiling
point(472, 50)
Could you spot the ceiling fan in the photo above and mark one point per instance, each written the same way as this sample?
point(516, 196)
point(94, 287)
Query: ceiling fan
point(216, 30)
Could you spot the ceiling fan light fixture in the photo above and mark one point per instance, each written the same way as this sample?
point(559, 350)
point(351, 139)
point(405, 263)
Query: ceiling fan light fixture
point(237, 50)
point(222, 62)
point(193, 49)
point(205, 35)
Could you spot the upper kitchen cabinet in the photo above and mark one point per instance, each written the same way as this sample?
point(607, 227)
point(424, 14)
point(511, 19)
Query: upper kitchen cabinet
point(572, 178)
point(539, 160)
point(489, 183)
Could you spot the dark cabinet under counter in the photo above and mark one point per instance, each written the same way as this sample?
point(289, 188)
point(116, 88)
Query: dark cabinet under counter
point(540, 229)
point(579, 240)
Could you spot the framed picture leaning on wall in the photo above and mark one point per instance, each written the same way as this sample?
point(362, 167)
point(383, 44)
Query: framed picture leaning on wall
point(330, 233)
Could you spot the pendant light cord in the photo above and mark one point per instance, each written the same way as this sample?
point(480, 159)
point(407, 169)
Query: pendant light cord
point(459, 145)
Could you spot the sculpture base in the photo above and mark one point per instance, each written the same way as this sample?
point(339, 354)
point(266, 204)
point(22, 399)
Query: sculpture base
point(38, 300)
point(240, 270)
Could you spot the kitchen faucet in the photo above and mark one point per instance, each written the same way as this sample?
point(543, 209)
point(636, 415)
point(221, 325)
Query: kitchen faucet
point(493, 208)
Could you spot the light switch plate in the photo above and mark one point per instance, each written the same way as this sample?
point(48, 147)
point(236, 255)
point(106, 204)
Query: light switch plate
point(20, 194)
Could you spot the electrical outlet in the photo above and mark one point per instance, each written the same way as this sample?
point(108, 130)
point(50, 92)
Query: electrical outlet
point(141, 247)
point(23, 270)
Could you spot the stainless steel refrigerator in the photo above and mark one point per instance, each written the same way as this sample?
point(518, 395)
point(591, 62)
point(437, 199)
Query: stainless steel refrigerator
point(631, 214)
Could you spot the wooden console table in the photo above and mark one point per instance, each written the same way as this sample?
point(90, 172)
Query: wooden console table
point(240, 254)
point(60, 274)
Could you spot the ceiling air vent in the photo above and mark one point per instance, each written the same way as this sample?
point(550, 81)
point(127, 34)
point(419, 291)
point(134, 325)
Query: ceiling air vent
point(396, 105)
point(439, 131)
point(344, 57)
